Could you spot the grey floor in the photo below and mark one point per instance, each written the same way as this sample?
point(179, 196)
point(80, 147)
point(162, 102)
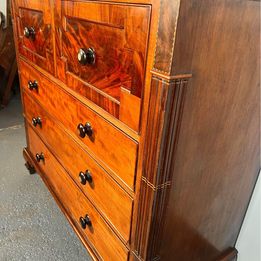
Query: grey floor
point(32, 227)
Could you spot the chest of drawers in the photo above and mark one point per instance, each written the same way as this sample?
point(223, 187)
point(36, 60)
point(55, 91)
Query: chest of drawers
point(142, 119)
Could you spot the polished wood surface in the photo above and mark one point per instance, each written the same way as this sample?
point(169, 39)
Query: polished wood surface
point(37, 15)
point(108, 117)
point(167, 101)
point(112, 201)
point(115, 150)
point(118, 34)
point(32, 164)
point(99, 234)
point(215, 162)
point(179, 150)
point(223, 142)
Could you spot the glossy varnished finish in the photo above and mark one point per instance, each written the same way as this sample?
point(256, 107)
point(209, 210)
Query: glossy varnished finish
point(115, 150)
point(217, 159)
point(38, 48)
point(117, 208)
point(117, 34)
point(167, 99)
point(215, 162)
point(179, 150)
point(30, 161)
point(99, 234)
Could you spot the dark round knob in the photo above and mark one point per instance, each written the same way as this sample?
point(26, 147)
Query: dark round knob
point(81, 130)
point(86, 56)
point(85, 177)
point(33, 85)
point(85, 130)
point(88, 129)
point(29, 32)
point(39, 157)
point(36, 121)
point(85, 221)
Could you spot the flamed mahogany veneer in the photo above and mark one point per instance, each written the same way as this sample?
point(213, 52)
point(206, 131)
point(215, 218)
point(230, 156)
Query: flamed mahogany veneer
point(142, 118)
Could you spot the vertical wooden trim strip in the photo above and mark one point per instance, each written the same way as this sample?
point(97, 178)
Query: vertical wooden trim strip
point(165, 112)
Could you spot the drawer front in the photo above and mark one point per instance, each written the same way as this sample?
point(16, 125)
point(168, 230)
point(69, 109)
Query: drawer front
point(115, 150)
point(102, 54)
point(34, 29)
point(96, 184)
point(98, 234)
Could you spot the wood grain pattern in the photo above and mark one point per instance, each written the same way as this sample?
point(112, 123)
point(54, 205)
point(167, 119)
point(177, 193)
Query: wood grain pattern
point(118, 34)
point(164, 117)
point(112, 201)
point(166, 36)
point(216, 162)
point(36, 14)
point(130, 109)
point(192, 170)
point(116, 151)
point(199, 187)
point(99, 234)
point(30, 158)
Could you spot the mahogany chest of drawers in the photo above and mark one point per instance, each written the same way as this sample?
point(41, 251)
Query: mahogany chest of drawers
point(142, 119)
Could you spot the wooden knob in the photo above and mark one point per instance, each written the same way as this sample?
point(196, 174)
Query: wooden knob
point(81, 130)
point(39, 157)
point(85, 221)
point(85, 177)
point(85, 130)
point(36, 121)
point(86, 56)
point(29, 32)
point(88, 129)
point(33, 85)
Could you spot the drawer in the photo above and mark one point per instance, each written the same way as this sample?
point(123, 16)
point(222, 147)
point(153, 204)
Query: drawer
point(34, 29)
point(114, 150)
point(96, 184)
point(97, 233)
point(102, 54)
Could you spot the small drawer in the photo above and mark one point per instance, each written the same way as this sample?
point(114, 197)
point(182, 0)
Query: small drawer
point(84, 216)
point(114, 150)
point(102, 54)
point(96, 184)
point(34, 32)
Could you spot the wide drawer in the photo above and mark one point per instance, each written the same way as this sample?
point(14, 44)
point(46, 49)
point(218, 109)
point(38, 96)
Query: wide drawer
point(114, 149)
point(97, 185)
point(101, 54)
point(34, 32)
point(97, 233)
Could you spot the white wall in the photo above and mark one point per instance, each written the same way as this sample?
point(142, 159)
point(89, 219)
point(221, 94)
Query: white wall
point(3, 6)
point(249, 243)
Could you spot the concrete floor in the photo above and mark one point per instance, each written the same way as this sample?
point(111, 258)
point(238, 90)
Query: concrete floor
point(32, 227)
